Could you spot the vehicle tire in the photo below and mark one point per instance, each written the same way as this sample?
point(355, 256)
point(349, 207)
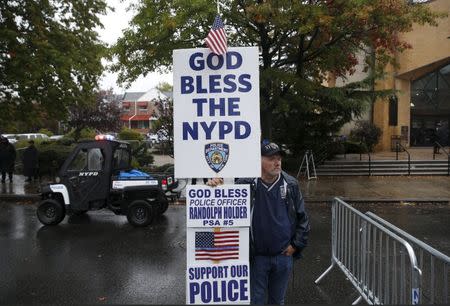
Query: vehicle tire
point(50, 212)
point(163, 205)
point(140, 213)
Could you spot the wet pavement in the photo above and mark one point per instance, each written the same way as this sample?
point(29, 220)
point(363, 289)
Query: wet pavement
point(357, 188)
point(100, 259)
point(378, 188)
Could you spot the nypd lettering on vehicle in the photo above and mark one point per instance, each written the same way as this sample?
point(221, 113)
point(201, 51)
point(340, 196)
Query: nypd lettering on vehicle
point(90, 173)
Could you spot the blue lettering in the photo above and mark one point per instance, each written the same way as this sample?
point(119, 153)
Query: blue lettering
point(238, 133)
point(191, 273)
point(214, 83)
point(197, 65)
point(244, 79)
point(225, 127)
point(216, 297)
point(199, 103)
point(209, 61)
point(208, 130)
point(233, 107)
point(200, 89)
point(193, 131)
point(220, 106)
point(194, 289)
point(186, 85)
point(243, 286)
point(206, 292)
point(228, 80)
point(237, 56)
point(232, 294)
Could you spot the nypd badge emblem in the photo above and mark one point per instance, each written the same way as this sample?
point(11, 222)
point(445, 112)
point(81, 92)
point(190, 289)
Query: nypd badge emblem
point(216, 155)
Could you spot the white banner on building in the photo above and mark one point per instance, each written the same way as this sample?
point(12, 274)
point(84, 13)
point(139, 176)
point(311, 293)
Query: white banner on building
point(216, 113)
point(222, 206)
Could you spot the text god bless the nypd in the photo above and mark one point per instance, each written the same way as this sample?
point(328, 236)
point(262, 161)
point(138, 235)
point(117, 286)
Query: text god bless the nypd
point(216, 106)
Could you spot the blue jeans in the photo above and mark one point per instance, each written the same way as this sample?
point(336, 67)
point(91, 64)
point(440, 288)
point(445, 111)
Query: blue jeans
point(269, 274)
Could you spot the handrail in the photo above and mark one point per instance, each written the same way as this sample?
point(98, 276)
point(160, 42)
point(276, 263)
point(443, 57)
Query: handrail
point(399, 145)
point(370, 159)
point(441, 147)
point(445, 151)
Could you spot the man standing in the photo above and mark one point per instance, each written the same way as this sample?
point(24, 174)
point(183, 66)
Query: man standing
point(279, 227)
point(7, 159)
point(30, 161)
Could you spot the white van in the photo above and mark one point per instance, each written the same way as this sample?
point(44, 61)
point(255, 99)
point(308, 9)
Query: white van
point(32, 136)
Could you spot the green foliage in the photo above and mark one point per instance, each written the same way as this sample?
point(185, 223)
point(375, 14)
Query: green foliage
point(352, 147)
point(129, 134)
point(367, 133)
point(300, 43)
point(50, 57)
point(46, 132)
point(83, 134)
point(141, 154)
point(164, 125)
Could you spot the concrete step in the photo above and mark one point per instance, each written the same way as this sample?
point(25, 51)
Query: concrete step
point(358, 162)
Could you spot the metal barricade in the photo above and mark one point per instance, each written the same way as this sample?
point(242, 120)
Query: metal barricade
point(380, 264)
point(433, 264)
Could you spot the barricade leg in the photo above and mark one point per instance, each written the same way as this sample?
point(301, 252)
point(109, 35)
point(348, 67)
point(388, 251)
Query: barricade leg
point(317, 281)
point(357, 300)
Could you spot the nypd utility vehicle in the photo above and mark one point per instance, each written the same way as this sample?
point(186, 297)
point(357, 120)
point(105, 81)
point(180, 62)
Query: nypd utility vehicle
point(96, 175)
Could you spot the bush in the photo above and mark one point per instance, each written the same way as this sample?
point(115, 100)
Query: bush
point(129, 134)
point(85, 134)
point(367, 133)
point(51, 157)
point(46, 132)
point(352, 147)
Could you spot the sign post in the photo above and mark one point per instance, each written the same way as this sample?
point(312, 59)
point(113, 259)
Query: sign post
point(217, 134)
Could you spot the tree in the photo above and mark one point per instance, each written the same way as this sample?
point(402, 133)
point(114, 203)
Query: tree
point(164, 124)
point(103, 116)
point(49, 56)
point(301, 43)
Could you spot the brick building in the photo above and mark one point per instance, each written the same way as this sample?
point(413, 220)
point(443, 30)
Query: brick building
point(139, 109)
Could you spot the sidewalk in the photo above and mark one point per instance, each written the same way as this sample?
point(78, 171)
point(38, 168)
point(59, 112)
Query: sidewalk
point(322, 189)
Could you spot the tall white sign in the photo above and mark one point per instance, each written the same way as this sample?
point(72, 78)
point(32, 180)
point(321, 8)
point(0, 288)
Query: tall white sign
point(216, 113)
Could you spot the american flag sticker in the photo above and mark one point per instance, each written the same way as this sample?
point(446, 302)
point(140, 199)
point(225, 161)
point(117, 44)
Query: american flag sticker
point(217, 245)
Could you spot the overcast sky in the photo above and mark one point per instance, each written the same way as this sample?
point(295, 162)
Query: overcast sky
point(114, 23)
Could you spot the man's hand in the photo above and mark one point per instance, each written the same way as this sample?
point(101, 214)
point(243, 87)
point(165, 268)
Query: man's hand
point(214, 182)
point(289, 250)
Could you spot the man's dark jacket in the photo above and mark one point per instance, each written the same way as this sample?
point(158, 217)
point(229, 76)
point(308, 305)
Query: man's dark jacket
point(297, 214)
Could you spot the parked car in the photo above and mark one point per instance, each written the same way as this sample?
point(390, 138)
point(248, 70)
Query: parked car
point(32, 136)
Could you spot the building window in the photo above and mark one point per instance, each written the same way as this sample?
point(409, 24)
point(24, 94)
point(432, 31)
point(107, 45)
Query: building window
point(430, 106)
point(142, 108)
point(393, 110)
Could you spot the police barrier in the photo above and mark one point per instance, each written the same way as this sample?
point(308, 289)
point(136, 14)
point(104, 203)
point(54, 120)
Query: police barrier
point(381, 265)
point(434, 265)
